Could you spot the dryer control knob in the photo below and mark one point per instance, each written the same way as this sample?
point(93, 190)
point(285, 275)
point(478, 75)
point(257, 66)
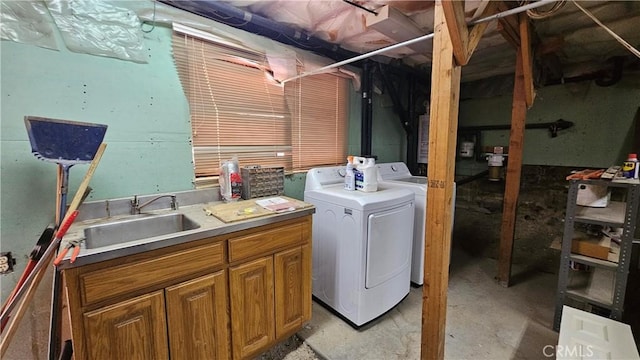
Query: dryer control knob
point(394, 168)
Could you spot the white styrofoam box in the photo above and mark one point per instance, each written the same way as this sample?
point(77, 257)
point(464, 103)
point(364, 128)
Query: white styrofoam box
point(593, 195)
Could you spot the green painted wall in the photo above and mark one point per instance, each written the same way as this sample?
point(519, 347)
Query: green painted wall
point(602, 117)
point(148, 148)
point(148, 134)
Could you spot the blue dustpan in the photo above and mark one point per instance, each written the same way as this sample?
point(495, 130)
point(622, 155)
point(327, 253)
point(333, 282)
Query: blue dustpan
point(64, 142)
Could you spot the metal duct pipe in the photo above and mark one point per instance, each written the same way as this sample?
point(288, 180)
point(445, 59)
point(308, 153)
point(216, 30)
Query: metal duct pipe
point(259, 25)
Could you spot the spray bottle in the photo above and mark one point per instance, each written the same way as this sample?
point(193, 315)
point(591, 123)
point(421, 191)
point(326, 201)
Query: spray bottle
point(350, 177)
point(630, 167)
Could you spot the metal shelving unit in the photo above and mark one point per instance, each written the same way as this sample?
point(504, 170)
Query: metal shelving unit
point(605, 284)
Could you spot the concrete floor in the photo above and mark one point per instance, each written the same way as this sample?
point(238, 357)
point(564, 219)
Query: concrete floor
point(484, 320)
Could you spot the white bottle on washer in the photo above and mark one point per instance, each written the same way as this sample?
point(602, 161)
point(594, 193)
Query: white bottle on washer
point(366, 174)
point(350, 176)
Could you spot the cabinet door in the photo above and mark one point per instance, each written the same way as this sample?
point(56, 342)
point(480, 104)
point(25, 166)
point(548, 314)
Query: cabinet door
point(132, 329)
point(198, 319)
point(293, 289)
point(252, 319)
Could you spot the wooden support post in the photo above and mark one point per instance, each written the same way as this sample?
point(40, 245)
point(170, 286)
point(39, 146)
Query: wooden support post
point(527, 59)
point(514, 169)
point(445, 85)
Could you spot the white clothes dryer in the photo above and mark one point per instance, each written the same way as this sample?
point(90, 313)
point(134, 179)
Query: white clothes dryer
point(361, 245)
point(397, 175)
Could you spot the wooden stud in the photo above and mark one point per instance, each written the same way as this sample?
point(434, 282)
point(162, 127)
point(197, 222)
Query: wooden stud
point(445, 85)
point(454, 13)
point(504, 30)
point(476, 32)
point(508, 26)
point(527, 59)
point(514, 169)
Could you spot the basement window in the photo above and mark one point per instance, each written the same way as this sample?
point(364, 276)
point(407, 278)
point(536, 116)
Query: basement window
point(238, 109)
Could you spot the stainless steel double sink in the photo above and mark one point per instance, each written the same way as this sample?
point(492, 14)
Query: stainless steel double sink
point(136, 227)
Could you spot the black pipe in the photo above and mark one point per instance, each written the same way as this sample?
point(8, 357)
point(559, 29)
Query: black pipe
point(367, 109)
point(395, 99)
point(412, 137)
point(553, 127)
point(471, 178)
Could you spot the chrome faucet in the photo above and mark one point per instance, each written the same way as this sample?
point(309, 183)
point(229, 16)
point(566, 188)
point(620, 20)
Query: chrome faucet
point(136, 207)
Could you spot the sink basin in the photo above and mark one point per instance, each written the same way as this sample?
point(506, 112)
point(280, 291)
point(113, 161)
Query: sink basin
point(137, 228)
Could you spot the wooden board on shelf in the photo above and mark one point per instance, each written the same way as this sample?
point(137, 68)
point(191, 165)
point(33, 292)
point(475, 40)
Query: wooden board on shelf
point(597, 247)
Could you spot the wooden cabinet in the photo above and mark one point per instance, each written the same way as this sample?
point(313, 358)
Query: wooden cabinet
point(252, 309)
point(132, 329)
point(229, 296)
point(197, 318)
point(271, 295)
point(292, 268)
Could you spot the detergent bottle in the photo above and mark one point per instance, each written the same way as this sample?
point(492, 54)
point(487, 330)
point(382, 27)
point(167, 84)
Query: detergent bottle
point(366, 174)
point(350, 176)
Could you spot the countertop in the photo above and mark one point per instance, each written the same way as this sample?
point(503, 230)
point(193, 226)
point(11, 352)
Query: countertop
point(209, 226)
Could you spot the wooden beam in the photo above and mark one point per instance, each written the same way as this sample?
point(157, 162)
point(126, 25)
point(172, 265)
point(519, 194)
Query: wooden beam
point(458, 31)
point(514, 169)
point(443, 124)
point(527, 59)
point(508, 26)
point(476, 32)
point(464, 39)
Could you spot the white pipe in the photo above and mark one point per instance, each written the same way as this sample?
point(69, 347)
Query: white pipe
point(418, 39)
point(513, 11)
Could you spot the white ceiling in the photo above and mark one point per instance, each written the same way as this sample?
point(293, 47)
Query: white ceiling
point(580, 45)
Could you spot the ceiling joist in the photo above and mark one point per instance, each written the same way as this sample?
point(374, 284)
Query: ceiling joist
point(465, 39)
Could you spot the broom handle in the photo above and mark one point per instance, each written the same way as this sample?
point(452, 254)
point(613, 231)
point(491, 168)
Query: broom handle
point(59, 213)
point(36, 275)
point(77, 199)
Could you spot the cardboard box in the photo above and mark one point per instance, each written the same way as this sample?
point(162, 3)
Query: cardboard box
point(593, 195)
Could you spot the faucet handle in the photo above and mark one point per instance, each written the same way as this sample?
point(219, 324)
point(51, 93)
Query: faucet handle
point(174, 203)
point(134, 205)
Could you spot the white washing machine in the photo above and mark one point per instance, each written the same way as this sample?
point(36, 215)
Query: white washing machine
point(397, 175)
point(361, 245)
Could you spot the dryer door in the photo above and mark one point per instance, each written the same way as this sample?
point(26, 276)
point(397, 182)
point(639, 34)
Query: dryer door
point(389, 240)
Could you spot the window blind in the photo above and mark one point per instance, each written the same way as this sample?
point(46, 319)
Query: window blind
point(320, 120)
point(238, 109)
